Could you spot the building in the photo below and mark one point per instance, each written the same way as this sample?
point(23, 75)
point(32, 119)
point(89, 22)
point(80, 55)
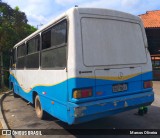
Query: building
point(151, 21)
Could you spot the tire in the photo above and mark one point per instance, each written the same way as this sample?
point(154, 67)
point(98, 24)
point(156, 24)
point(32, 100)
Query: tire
point(38, 108)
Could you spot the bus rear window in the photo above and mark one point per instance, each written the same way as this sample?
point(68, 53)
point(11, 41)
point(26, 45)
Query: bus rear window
point(112, 42)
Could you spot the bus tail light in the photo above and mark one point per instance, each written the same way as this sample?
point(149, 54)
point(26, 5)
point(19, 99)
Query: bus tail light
point(148, 84)
point(83, 93)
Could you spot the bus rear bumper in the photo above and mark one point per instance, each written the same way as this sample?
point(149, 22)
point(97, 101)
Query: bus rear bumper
point(84, 112)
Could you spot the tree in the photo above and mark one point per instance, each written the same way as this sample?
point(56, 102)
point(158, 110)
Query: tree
point(13, 28)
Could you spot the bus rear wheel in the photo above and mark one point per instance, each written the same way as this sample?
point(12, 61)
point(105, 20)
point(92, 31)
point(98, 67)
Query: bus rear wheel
point(38, 108)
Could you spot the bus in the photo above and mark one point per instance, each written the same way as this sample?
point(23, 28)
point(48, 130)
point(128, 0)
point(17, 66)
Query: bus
point(86, 64)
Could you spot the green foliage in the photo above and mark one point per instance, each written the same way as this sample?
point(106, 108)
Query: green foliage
point(16, 8)
point(4, 89)
point(13, 28)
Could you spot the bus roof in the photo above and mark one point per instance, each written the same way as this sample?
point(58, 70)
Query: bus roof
point(90, 11)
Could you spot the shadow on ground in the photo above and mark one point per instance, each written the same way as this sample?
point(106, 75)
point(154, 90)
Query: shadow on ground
point(20, 115)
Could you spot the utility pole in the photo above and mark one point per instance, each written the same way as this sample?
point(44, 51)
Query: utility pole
point(39, 25)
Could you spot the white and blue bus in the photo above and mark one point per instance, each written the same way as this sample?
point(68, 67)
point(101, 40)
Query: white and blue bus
point(86, 64)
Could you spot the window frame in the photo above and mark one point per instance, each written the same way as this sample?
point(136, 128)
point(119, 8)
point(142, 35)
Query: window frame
point(37, 36)
point(37, 52)
point(58, 46)
point(23, 44)
point(20, 57)
point(46, 31)
point(65, 36)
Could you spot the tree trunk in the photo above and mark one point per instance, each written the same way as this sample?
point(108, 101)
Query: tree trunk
point(2, 72)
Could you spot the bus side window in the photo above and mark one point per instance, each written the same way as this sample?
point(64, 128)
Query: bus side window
point(46, 39)
point(32, 57)
point(21, 52)
point(54, 48)
point(13, 59)
point(59, 33)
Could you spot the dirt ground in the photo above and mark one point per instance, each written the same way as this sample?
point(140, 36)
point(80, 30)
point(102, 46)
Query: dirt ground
point(21, 115)
point(156, 87)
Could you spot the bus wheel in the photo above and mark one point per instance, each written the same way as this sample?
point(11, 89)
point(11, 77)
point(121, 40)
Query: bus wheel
point(38, 108)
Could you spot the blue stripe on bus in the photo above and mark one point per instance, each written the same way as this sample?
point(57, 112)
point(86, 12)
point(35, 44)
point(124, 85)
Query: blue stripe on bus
point(53, 92)
point(61, 93)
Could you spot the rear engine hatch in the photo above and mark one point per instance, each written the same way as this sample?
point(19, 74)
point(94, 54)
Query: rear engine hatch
point(116, 82)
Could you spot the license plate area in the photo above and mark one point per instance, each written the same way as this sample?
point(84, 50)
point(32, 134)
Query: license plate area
point(120, 87)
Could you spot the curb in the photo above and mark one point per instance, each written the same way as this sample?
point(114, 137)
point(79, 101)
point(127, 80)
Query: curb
point(2, 117)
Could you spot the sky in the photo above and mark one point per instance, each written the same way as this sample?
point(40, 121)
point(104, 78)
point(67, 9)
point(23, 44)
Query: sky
point(42, 11)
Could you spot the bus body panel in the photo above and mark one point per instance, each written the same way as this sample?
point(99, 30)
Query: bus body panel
point(42, 81)
point(93, 110)
point(83, 71)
